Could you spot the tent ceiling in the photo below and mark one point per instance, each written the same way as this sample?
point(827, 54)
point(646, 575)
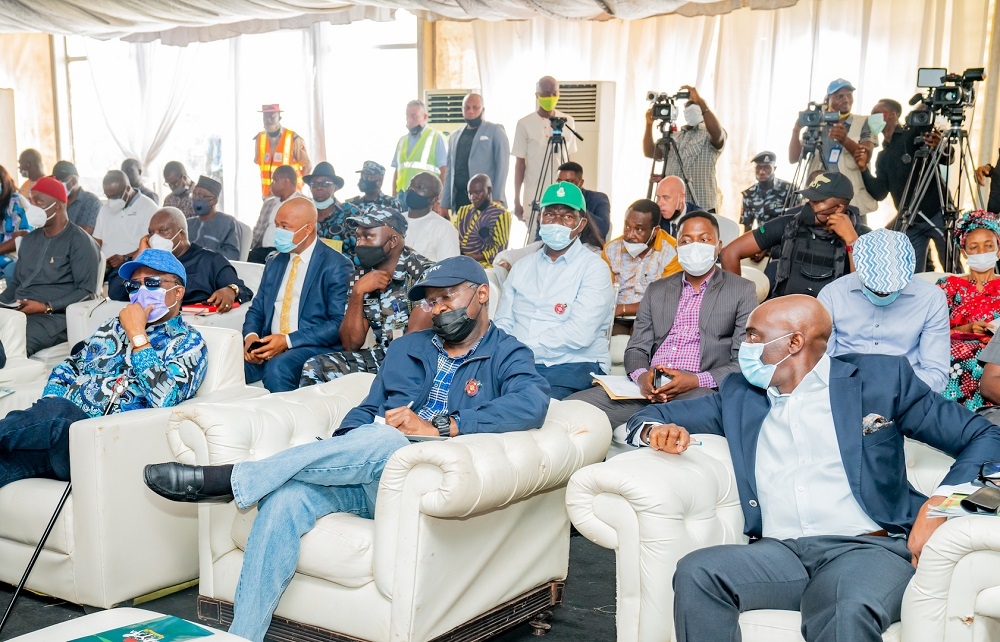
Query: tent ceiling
point(182, 21)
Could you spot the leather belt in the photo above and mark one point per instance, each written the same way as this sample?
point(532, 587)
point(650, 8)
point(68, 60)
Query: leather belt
point(881, 533)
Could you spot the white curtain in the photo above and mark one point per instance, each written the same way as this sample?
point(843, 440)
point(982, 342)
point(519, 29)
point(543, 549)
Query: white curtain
point(756, 70)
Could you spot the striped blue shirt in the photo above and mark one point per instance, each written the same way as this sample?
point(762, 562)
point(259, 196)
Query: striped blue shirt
point(447, 366)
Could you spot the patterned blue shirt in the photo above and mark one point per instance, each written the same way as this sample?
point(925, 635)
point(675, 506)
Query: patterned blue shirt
point(169, 373)
point(447, 366)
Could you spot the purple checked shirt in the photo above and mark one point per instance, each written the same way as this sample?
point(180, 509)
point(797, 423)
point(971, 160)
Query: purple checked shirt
point(681, 350)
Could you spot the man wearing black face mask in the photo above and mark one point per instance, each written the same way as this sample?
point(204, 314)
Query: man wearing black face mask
point(377, 299)
point(370, 186)
point(479, 147)
point(211, 229)
point(431, 235)
point(463, 376)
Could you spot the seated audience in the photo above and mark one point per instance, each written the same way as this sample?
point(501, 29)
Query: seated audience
point(500, 391)
point(176, 178)
point(377, 298)
point(973, 303)
point(122, 221)
point(29, 166)
point(672, 335)
point(811, 245)
point(989, 383)
point(505, 260)
point(484, 224)
point(370, 186)
point(882, 309)
point(133, 171)
point(15, 220)
point(559, 301)
point(298, 310)
point(643, 254)
point(672, 199)
point(160, 360)
point(428, 233)
point(765, 199)
point(212, 280)
point(598, 204)
point(334, 225)
point(58, 266)
point(210, 228)
point(82, 206)
point(817, 448)
point(283, 187)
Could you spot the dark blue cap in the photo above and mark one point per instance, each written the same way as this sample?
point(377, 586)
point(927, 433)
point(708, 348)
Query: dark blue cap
point(446, 273)
point(159, 260)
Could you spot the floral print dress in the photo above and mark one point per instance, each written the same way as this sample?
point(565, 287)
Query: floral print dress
point(965, 305)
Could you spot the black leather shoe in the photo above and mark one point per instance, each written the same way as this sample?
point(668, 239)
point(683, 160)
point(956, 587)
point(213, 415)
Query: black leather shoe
point(180, 483)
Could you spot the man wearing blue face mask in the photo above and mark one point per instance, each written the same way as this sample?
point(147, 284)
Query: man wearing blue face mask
point(882, 309)
point(817, 450)
point(333, 227)
point(210, 228)
point(559, 301)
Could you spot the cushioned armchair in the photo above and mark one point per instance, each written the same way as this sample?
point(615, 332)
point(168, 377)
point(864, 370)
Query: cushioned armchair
point(471, 526)
point(653, 509)
point(26, 377)
point(114, 539)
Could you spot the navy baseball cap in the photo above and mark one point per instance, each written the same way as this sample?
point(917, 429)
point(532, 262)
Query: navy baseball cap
point(446, 273)
point(159, 260)
point(837, 85)
point(379, 216)
point(829, 185)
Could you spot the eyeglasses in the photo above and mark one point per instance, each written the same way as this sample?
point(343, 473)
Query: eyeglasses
point(989, 473)
point(564, 215)
point(151, 283)
point(320, 184)
point(427, 305)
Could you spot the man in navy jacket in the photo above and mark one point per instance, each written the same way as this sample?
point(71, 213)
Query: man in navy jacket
point(817, 449)
point(463, 376)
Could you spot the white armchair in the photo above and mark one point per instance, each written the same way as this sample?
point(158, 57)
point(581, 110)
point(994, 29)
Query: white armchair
point(114, 540)
point(462, 528)
point(653, 509)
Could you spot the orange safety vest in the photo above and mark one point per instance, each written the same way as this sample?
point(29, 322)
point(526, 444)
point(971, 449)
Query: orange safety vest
point(268, 158)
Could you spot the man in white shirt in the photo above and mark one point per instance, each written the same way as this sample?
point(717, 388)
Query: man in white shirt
point(530, 139)
point(123, 220)
point(817, 450)
point(559, 301)
point(283, 187)
point(428, 233)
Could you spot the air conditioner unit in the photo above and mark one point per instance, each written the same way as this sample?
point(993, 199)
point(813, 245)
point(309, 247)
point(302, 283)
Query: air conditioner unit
point(444, 108)
point(592, 106)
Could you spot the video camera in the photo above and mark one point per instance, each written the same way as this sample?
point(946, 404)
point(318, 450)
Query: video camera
point(814, 116)
point(664, 106)
point(947, 94)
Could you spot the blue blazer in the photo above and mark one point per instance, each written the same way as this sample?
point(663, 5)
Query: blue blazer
point(599, 208)
point(860, 385)
point(321, 306)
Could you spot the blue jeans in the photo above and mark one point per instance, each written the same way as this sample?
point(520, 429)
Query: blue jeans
point(282, 373)
point(35, 442)
point(293, 489)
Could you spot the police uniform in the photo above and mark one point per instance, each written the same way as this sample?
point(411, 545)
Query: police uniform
point(762, 203)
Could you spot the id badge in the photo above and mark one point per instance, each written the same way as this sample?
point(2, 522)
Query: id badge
point(396, 333)
point(834, 156)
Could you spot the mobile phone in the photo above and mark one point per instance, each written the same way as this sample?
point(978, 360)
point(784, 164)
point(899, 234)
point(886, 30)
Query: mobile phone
point(13, 305)
point(255, 345)
point(661, 379)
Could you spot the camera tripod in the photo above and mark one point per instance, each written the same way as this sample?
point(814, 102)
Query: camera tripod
point(810, 144)
point(555, 147)
point(664, 145)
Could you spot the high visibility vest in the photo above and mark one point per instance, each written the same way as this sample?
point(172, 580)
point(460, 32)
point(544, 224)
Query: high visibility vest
point(269, 158)
point(422, 157)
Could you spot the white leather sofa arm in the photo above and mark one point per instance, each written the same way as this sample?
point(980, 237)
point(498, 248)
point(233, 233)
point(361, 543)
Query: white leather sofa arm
point(653, 509)
point(945, 598)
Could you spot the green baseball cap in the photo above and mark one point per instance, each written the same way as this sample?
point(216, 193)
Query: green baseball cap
point(563, 193)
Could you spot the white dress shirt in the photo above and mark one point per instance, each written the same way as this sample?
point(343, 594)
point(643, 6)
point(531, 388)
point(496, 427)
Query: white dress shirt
point(433, 236)
point(300, 278)
point(120, 233)
point(801, 480)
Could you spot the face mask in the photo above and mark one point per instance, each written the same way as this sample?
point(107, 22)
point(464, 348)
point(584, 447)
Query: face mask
point(986, 262)
point(156, 298)
point(876, 123)
point(371, 255)
point(454, 325)
point(879, 301)
point(756, 372)
point(201, 206)
point(416, 129)
point(366, 186)
point(635, 249)
point(23, 173)
point(180, 191)
point(692, 115)
point(322, 205)
point(158, 242)
point(416, 201)
point(284, 240)
point(555, 236)
point(474, 123)
point(548, 103)
point(696, 258)
point(68, 188)
point(116, 205)
point(36, 215)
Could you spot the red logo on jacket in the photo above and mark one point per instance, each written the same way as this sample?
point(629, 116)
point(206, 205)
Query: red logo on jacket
point(472, 387)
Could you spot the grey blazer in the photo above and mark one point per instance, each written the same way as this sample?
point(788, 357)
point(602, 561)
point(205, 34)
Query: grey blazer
point(721, 322)
point(490, 155)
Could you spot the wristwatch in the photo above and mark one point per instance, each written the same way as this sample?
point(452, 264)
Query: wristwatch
point(139, 341)
point(443, 424)
point(48, 308)
point(236, 289)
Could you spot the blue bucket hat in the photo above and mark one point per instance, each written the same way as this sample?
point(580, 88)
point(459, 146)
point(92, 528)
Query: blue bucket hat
point(159, 260)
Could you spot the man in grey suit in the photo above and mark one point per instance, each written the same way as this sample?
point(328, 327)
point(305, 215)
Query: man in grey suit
point(479, 147)
point(689, 327)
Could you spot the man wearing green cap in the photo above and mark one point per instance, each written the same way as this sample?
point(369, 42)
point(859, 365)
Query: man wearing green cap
point(559, 301)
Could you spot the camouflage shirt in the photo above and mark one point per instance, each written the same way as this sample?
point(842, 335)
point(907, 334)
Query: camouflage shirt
point(389, 308)
point(762, 205)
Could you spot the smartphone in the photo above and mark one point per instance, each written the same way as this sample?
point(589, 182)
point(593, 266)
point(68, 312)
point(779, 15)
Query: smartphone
point(14, 305)
point(661, 379)
point(255, 345)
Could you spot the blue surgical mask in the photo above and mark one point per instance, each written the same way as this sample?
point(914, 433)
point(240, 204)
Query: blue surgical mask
point(156, 298)
point(876, 123)
point(880, 301)
point(322, 205)
point(284, 240)
point(755, 371)
point(201, 206)
point(555, 236)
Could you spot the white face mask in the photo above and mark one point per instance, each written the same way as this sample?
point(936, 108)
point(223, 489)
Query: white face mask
point(37, 216)
point(692, 115)
point(696, 258)
point(158, 242)
point(116, 205)
point(876, 123)
point(985, 262)
point(635, 249)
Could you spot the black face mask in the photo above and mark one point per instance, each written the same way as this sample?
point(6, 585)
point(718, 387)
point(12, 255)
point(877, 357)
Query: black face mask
point(366, 185)
point(416, 201)
point(416, 129)
point(454, 325)
point(474, 123)
point(371, 255)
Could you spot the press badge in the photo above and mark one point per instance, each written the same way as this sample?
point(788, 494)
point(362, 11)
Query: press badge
point(834, 156)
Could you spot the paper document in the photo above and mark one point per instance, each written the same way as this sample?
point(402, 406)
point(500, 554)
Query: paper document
point(618, 386)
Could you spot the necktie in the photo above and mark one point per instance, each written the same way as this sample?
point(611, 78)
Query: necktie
point(286, 302)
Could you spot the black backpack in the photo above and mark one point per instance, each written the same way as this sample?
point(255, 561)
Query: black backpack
point(810, 257)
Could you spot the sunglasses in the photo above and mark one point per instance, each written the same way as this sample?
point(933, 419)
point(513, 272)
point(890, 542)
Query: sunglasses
point(989, 473)
point(151, 283)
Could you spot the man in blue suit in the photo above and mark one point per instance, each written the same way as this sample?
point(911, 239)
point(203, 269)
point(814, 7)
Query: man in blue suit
point(297, 311)
point(817, 447)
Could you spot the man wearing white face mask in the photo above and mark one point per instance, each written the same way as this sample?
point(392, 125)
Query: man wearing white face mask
point(699, 142)
point(122, 221)
point(881, 309)
point(57, 266)
point(559, 300)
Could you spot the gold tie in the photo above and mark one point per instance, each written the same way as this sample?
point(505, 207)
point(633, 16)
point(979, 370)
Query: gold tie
point(286, 303)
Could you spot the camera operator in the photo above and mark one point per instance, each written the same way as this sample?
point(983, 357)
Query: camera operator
point(892, 170)
point(991, 172)
point(699, 143)
point(838, 143)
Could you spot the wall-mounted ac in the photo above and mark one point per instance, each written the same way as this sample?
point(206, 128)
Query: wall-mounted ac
point(444, 108)
point(592, 106)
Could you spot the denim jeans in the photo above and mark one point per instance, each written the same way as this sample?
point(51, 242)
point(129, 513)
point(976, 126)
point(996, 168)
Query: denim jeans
point(35, 442)
point(292, 489)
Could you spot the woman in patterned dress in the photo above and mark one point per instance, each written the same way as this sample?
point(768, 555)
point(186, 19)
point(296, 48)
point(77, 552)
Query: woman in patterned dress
point(973, 302)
